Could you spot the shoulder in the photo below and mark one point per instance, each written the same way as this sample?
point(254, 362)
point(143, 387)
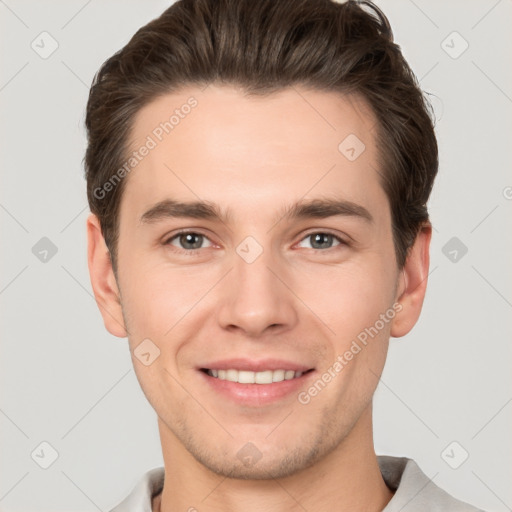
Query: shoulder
point(139, 500)
point(414, 491)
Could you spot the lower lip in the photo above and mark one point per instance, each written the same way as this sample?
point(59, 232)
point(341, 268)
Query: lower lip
point(257, 394)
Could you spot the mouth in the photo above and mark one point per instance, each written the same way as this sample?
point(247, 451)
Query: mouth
point(253, 382)
point(256, 389)
point(264, 377)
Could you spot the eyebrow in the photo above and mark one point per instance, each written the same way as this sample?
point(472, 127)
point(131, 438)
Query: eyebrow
point(207, 210)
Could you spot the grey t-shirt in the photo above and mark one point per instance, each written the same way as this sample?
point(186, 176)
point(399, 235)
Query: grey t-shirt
point(414, 491)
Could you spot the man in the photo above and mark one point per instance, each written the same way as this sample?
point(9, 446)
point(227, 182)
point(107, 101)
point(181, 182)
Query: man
point(258, 174)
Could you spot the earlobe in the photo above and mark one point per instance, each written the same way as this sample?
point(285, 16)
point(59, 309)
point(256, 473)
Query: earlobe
point(413, 283)
point(103, 280)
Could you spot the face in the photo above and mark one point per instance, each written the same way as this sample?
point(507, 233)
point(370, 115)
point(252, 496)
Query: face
point(286, 266)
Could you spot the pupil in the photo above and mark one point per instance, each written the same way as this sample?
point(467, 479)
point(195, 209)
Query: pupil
point(323, 239)
point(188, 239)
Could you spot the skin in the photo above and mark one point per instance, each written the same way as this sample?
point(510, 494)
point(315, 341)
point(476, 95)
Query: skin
point(295, 301)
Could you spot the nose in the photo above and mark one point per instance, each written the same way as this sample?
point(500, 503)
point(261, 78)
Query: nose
point(257, 298)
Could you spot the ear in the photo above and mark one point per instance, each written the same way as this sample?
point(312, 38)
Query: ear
point(103, 280)
point(413, 283)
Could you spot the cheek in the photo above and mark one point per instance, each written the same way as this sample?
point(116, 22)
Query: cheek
point(159, 304)
point(348, 298)
point(157, 295)
point(356, 305)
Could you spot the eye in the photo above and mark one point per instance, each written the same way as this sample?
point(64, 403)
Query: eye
point(321, 240)
point(188, 241)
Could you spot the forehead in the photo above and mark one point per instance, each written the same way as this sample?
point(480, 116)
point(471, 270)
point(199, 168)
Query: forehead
point(253, 151)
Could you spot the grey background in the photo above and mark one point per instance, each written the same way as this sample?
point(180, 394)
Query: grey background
point(66, 381)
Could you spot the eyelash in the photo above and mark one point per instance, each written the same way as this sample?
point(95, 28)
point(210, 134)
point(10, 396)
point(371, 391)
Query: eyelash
point(193, 252)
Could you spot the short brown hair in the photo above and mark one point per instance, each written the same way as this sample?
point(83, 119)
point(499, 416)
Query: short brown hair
point(264, 46)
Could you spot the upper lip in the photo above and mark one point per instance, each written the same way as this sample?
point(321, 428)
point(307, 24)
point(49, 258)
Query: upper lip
point(255, 366)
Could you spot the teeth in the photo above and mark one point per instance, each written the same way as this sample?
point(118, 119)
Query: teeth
point(246, 377)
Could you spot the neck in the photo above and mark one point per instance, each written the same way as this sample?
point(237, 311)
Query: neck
point(347, 479)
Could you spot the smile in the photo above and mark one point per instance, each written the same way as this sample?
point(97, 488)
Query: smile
point(248, 377)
